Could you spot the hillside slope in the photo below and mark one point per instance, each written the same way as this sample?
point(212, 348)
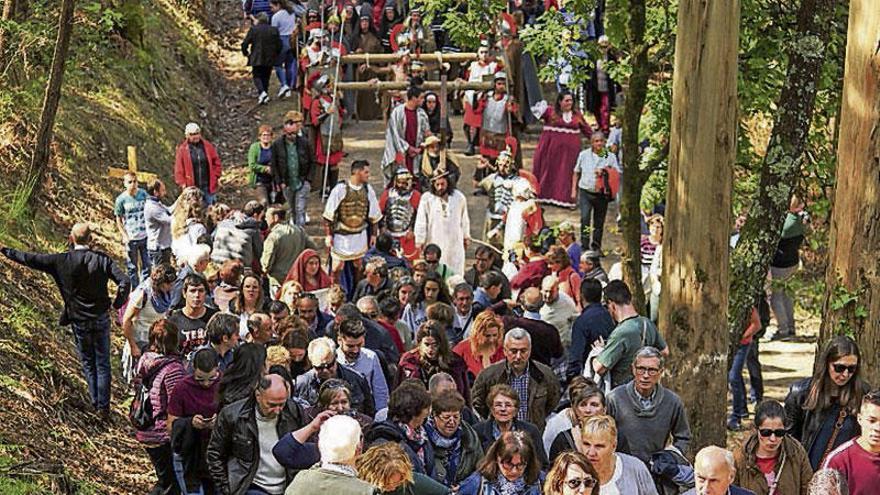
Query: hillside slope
point(136, 74)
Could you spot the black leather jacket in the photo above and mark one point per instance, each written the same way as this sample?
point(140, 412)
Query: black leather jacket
point(801, 424)
point(305, 157)
point(234, 449)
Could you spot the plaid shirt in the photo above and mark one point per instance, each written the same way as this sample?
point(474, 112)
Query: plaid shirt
point(520, 385)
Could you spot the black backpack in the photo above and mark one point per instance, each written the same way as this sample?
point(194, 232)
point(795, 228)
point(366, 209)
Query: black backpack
point(141, 411)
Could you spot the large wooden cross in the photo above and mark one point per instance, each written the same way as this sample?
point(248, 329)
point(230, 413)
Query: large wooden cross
point(118, 173)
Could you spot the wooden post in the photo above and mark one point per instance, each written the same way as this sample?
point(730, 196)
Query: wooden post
point(388, 58)
point(395, 85)
point(693, 309)
point(118, 173)
point(852, 294)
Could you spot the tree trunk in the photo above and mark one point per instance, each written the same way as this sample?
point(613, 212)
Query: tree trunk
point(852, 297)
point(40, 160)
point(695, 241)
point(782, 164)
point(8, 14)
point(633, 180)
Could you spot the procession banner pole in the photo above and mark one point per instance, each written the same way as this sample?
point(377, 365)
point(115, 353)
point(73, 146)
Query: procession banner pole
point(335, 108)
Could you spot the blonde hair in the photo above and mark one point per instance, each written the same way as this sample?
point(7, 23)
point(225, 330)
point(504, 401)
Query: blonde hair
point(599, 425)
point(189, 205)
point(290, 292)
point(277, 355)
point(483, 322)
point(342, 444)
point(378, 464)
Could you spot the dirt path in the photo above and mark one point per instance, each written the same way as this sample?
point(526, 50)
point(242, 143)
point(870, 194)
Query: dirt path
point(783, 362)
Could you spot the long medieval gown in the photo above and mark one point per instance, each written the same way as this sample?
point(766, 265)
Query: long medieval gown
point(557, 152)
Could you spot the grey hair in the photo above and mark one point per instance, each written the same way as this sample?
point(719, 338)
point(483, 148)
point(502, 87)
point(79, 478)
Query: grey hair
point(363, 301)
point(714, 449)
point(518, 334)
point(649, 352)
point(828, 482)
point(438, 378)
point(463, 287)
point(374, 262)
point(596, 134)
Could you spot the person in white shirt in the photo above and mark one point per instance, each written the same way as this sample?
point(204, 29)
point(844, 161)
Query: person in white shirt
point(593, 199)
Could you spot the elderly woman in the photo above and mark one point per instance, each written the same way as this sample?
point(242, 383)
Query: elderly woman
point(820, 412)
point(510, 467)
point(503, 404)
point(387, 467)
point(483, 347)
point(457, 447)
point(586, 400)
point(571, 474)
point(408, 409)
point(430, 356)
point(768, 453)
point(618, 473)
point(150, 302)
point(335, 395)
point(163, 365)
point(308, 272)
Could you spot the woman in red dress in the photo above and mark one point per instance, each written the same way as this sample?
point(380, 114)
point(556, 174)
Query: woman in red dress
point(558, 149)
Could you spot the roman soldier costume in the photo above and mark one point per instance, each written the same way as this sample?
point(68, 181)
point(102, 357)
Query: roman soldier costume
point(399, 204)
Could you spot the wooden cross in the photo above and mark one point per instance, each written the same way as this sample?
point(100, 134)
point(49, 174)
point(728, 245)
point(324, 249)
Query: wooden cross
point(118, 173)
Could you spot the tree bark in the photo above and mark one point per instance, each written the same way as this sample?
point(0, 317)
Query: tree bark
point(782, 163)
point(852, 297)
point(695, 241)
point(42, 151)
point(8, 14)
point(633, 178)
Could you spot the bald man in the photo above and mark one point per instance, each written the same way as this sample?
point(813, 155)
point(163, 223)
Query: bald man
point(713, 473)
point(81, 275)
point(246, 431)
point(546, 341)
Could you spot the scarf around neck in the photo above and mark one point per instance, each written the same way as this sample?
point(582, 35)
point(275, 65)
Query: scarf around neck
point(506, 487)
point(452, 446)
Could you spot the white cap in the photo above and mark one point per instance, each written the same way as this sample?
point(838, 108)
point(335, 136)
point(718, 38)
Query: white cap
point(192, 128)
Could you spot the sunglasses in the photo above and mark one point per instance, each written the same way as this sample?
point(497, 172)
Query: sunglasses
point(575, 483)
point(325, 366)
point(291, 122)
point(840, 368)
point(766, 432)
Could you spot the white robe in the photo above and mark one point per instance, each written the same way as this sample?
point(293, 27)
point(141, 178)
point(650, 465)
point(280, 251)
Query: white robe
point(446, 224)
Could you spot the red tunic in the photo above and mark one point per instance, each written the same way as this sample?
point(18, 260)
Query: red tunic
point(320, 152)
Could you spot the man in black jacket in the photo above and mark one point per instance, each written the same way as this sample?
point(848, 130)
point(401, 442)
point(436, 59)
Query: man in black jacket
point(293, 162)
point(82, 275)
point(240, 451)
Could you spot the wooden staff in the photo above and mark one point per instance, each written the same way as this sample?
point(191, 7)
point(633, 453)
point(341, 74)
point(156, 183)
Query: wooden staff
point(387, 58)
point(395, 85)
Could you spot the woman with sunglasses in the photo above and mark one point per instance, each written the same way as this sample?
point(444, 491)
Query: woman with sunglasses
point(769, 462)
point(820, 411)
point(510, 467)
point(617, 473)
point(572, 474)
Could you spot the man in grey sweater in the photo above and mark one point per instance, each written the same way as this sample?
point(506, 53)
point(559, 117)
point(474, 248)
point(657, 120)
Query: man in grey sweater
point(647, 414)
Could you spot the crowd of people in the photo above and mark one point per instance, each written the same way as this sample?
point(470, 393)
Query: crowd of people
point(389, 363)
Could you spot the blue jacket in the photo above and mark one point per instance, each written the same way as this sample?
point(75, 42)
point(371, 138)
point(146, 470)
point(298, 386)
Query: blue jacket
point(594, 322)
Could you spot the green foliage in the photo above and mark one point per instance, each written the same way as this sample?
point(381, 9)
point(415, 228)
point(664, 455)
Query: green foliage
point(464, 21)
point(106, 19)
point(845, 301)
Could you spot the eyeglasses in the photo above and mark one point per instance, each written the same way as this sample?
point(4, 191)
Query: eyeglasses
point(325, 366)
point(575, 483)
point(840, 368)
point(504, 405)
point(642, 370)
point(510, 465)
point(448, 418)
point(292, 122)
point(766, 432)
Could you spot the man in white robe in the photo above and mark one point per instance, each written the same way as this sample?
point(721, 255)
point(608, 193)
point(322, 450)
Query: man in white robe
point(442, 219)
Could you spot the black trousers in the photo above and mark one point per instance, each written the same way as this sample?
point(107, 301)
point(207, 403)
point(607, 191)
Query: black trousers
point(162, 462)
point(593, 207)
point(261, 77)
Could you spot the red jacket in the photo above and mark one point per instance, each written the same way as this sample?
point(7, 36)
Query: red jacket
point(183, 168)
